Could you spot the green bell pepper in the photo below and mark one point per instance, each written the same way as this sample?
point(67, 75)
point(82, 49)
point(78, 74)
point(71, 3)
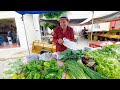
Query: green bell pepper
point(36, 76)
point(47, 64)
point(51, 75)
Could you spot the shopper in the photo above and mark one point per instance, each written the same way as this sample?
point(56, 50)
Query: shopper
point(10, 35)
point(84, 32)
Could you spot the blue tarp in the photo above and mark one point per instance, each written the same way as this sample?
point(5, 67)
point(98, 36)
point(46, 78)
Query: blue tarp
point(34, 12)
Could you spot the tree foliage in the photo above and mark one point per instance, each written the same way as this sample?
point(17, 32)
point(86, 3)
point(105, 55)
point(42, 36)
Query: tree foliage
point(55, 15)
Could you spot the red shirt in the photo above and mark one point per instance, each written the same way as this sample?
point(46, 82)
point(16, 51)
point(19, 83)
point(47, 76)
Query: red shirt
point(58, 33)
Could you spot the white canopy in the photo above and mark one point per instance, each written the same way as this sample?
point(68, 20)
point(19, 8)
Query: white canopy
point(87, 14)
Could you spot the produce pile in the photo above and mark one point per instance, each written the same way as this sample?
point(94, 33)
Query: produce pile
point(76, 64)
point(37, 69)
point(76, 70)
point(107, 61)
point(71, 55)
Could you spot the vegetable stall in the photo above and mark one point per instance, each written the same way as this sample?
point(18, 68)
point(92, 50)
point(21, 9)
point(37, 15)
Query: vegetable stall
point(101, 63)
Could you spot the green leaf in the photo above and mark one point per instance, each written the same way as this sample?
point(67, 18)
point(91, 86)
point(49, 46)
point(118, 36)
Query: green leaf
point(36, 76)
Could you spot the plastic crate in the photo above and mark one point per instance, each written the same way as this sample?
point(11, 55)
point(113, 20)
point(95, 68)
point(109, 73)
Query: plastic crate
point(37, 46)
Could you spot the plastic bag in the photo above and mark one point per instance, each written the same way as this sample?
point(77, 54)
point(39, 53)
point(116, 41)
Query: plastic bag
point(69, 44)
point(32, 57)
point(118, 50)
point(117, 43)
point(45, 56)
point(106, 43)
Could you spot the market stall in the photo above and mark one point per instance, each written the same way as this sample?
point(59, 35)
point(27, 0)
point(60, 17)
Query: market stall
point(105, 35)
point(112, 32)
point(73, 63)
point(69, 64)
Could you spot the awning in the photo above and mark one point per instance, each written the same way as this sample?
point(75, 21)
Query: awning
point(56, 22)
point(35, 12)
point(107, 18)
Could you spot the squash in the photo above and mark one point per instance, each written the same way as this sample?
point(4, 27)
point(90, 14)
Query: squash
point(67, 76)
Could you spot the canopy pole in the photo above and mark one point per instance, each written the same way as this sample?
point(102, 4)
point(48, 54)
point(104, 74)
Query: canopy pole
point(92, 25)
point(25, 35)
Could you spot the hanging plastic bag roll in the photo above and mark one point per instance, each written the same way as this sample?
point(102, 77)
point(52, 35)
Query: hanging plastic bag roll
point(69, 44)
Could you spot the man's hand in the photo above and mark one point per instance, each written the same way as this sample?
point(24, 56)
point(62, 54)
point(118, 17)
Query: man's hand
point(60, 41)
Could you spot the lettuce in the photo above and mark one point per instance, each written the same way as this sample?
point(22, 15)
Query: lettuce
point(107, 61)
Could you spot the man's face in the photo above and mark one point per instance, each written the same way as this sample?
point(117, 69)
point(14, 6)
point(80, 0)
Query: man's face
point(63, 23)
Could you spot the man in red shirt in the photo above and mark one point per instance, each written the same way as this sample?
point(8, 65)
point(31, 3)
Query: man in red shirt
point(62, 31)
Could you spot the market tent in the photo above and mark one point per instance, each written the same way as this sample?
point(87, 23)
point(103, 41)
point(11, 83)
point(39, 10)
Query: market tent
point(106, 18)
point(40, 12)
point(75, 21)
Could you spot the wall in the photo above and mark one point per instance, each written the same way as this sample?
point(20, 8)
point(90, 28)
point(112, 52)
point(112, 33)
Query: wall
point(31, 23)
point(76, 29)
point(98, 27)
point(19, 25)
point(37, 26)
point(32, 27)
point(101, 26)
point(29, 27)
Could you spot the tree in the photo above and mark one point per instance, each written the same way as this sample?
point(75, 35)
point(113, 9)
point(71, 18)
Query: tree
point(55, 15)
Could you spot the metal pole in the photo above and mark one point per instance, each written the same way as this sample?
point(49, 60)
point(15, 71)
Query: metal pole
point(92, 25)
point(26, 35)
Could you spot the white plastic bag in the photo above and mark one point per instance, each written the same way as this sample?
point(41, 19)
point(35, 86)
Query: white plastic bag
point(106, 43)
point(69, 44)
point(117, 43)
point(45, 56)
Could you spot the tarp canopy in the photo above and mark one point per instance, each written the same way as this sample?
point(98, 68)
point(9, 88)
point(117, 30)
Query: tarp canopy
point(106, 18)
point(56, 22)
point(34, 12)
